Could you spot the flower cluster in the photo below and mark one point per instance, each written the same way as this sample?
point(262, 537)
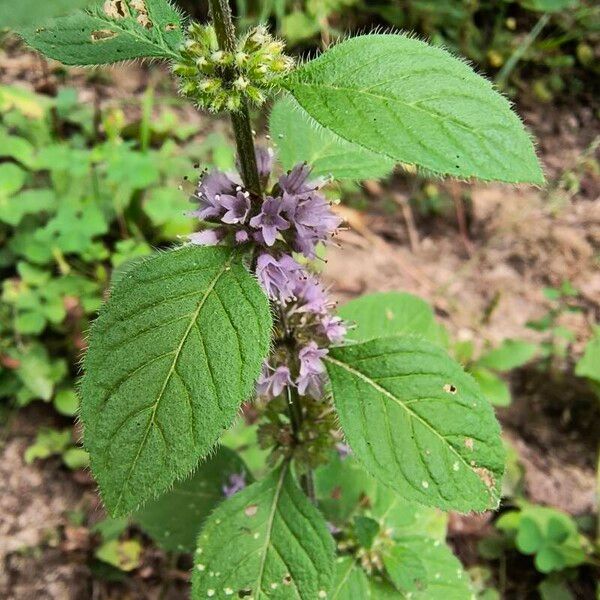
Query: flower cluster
point(292, 217)
point(218, 80)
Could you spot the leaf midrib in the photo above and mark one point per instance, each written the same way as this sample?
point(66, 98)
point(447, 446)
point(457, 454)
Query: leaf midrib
point(270, 522)
point(389, 395)
point(172, 368)
point(433, 115)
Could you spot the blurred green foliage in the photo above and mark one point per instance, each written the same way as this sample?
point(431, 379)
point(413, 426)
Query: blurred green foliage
point(564, 57)
point(81, 194)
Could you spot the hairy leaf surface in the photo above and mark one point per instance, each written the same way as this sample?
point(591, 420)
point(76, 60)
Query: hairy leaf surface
point(416, 104)
point(174, 519)
point(174, 353)
point(418, 422)
point(300, 138)
point(267, 541)
point(110, 32)
point(390, 313)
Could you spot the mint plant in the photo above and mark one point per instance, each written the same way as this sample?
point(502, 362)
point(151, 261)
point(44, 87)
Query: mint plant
point(239, 314)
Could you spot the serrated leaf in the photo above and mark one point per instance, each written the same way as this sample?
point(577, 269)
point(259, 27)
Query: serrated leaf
point(175, 351)
point(350, 581)
point(174, 519)
point(300, 138)
point(267, 541)
point(416, 104)
point(110, 32)
point(390, 313)
point(418, 422)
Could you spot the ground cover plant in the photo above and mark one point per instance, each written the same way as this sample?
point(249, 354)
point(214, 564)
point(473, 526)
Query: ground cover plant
point(197, 329)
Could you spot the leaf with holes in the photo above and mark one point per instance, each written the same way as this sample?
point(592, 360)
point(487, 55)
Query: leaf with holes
point(109, 32)
point(418, 422)
point(174, 519)
point(174, 353)
point(300, 138)
point(416, 104)
point(267, 541)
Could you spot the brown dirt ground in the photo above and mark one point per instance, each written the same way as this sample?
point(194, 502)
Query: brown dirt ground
point(484, 285)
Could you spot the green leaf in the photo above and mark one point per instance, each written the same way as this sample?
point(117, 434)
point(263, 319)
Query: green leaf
point(418, 422)
point(16, 147)
point(174, 519)
point(66, 402)
point(416, 104)
point(12, 179)
point(340, 484)
point(443, 578)
point(110, 32)
point(589, 364)
point(405, 568)
point(509, 355)
point(48, 442)
point(530, 538)
point(494, 388)
point(28, 202)
point(299, 138)
point(124, 555)
point(390, 313)
point(366, 531)
point(76, 458)
point(175, 351)
point(401, 518)
point(350, 581)
point(548, 5)
point(267, 541)
point(28, 12)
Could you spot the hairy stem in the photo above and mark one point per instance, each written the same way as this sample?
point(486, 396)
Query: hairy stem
point(244, 140)
point(242, 129)
point(296, 418)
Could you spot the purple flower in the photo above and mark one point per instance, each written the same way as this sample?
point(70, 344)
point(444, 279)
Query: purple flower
point(237, 206)
point(294, 181)
point(208, 237)
point(264, 162)
point(312, 218)
point(273, 383)
point(212, 187)
point(311, 370)
point(343, 450)
point(334, 328)
point(237, 482)
point(241, 236)
point(311, 295)
point(278, 277)
point(333, 529)
point(269, 220)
